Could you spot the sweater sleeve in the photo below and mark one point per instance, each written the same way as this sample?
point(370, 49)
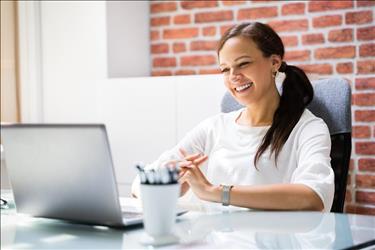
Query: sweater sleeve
point(314, 162)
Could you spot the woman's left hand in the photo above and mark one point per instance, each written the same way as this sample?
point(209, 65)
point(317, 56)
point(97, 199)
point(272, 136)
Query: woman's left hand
point(194, 176)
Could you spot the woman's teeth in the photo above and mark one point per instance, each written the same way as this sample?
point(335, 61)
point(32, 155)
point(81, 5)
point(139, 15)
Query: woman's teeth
point(243, 87)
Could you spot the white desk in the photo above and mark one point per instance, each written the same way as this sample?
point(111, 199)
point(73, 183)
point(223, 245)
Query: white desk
point(225, 230)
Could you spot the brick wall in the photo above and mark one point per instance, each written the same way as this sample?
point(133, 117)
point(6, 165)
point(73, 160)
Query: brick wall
point(325, 38)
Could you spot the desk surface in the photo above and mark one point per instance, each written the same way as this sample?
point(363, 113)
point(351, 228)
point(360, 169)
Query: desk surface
point(224, 230)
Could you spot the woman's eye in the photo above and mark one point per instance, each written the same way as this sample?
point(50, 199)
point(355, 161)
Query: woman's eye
point(224, 70)
point(243, 64)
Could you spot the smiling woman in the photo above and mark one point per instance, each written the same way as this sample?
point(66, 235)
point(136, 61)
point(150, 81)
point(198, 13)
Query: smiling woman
point(272, 154)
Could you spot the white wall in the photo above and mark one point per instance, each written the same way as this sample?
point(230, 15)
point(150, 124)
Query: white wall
point(128, 35)
point(144, 116)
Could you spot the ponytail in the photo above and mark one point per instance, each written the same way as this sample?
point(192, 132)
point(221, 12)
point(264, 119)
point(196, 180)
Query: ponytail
point(297, 93)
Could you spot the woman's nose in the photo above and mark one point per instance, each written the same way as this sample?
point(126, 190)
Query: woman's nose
point(235, 76)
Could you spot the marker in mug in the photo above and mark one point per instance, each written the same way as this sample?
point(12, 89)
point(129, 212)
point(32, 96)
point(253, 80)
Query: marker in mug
point(159, 176)
point(141, 172)
point(164, 176)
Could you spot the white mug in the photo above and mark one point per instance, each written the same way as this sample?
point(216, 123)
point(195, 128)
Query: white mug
point(159, 208)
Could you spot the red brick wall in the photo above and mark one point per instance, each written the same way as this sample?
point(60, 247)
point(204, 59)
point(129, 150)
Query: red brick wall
point(326, 38)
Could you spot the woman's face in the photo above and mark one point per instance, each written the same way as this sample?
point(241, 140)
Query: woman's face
point(247, 73)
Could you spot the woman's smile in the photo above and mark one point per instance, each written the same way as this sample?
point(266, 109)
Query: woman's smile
point(244, 87)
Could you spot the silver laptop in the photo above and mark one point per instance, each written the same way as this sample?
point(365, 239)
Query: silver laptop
point(64, 171)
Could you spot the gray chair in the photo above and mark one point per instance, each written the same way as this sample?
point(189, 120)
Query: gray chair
point(332, 103)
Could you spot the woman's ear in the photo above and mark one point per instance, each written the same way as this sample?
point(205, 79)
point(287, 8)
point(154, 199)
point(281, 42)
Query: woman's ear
point(276, 62)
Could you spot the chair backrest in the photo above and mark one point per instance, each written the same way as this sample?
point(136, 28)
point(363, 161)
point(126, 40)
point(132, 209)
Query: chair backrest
point(332, 103)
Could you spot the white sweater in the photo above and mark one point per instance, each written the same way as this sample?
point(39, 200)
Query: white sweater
point(304, 158)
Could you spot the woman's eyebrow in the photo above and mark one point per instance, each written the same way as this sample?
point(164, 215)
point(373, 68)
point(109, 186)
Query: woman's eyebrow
point(238, 58)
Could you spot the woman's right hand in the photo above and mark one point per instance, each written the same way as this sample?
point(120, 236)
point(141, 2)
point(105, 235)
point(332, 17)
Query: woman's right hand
point(187, 161)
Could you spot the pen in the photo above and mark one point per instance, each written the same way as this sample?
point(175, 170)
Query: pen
point(164, 176)
point(150, 174)
point(141, 172)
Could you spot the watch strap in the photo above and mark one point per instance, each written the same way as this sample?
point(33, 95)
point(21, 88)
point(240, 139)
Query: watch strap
point(225, 195)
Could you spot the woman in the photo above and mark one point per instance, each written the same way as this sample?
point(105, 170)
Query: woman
point(272, 154)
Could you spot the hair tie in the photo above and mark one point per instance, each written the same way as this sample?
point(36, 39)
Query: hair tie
point(283, 66)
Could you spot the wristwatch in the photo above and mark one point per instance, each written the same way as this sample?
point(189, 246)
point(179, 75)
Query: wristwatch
point(225, 195)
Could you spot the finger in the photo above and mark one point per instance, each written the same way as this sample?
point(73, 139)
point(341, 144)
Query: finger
point(200, 160)
point(183, 164)
point(182, 152)
point(184, 178)
point(192, 157)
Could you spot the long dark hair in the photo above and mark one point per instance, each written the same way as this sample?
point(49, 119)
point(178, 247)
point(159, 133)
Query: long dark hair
point(297, 91)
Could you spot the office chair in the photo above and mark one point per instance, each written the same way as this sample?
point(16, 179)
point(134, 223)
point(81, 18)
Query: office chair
point(332, 103)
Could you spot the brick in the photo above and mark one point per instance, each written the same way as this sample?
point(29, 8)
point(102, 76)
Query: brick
point(203, 45)
point(335, 52)
point(224, 28)
point(364, 115)
point(364, 99)
point(293, 9)
point(356, 209)
point(160, 21)
point(179, 47)
point(367, 50)
point(315, 6)
point(289, 41)
point(159, 48)
point(366, 164)
point(322, 69)
point(188, 5)
point(184, 72)
point(155, 35)
point(348, 196)
point(365, 148)
point(358, 17)
point(309, 39)
point(289, 25)
point(216, 16)
point(361, 132)
point(180, 33)
point(344, 68)
point(342, 35)
point(181, 19)
point(366, 67)
point(163, 7)
point(365, 83)
point(161, 73)
point(209, 71)
point(362, 3)
point(327, 21)
point(297, 55)
point(366, 33)
point(365, 181)
point(209, 31)
point(263, 1)
point(255, 13)
point(164, 62)
point(232, 3)
point(200, 60)
point(351, 165)
point(365, 197)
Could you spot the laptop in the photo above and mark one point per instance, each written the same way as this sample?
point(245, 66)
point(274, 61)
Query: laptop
point(65, 171)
